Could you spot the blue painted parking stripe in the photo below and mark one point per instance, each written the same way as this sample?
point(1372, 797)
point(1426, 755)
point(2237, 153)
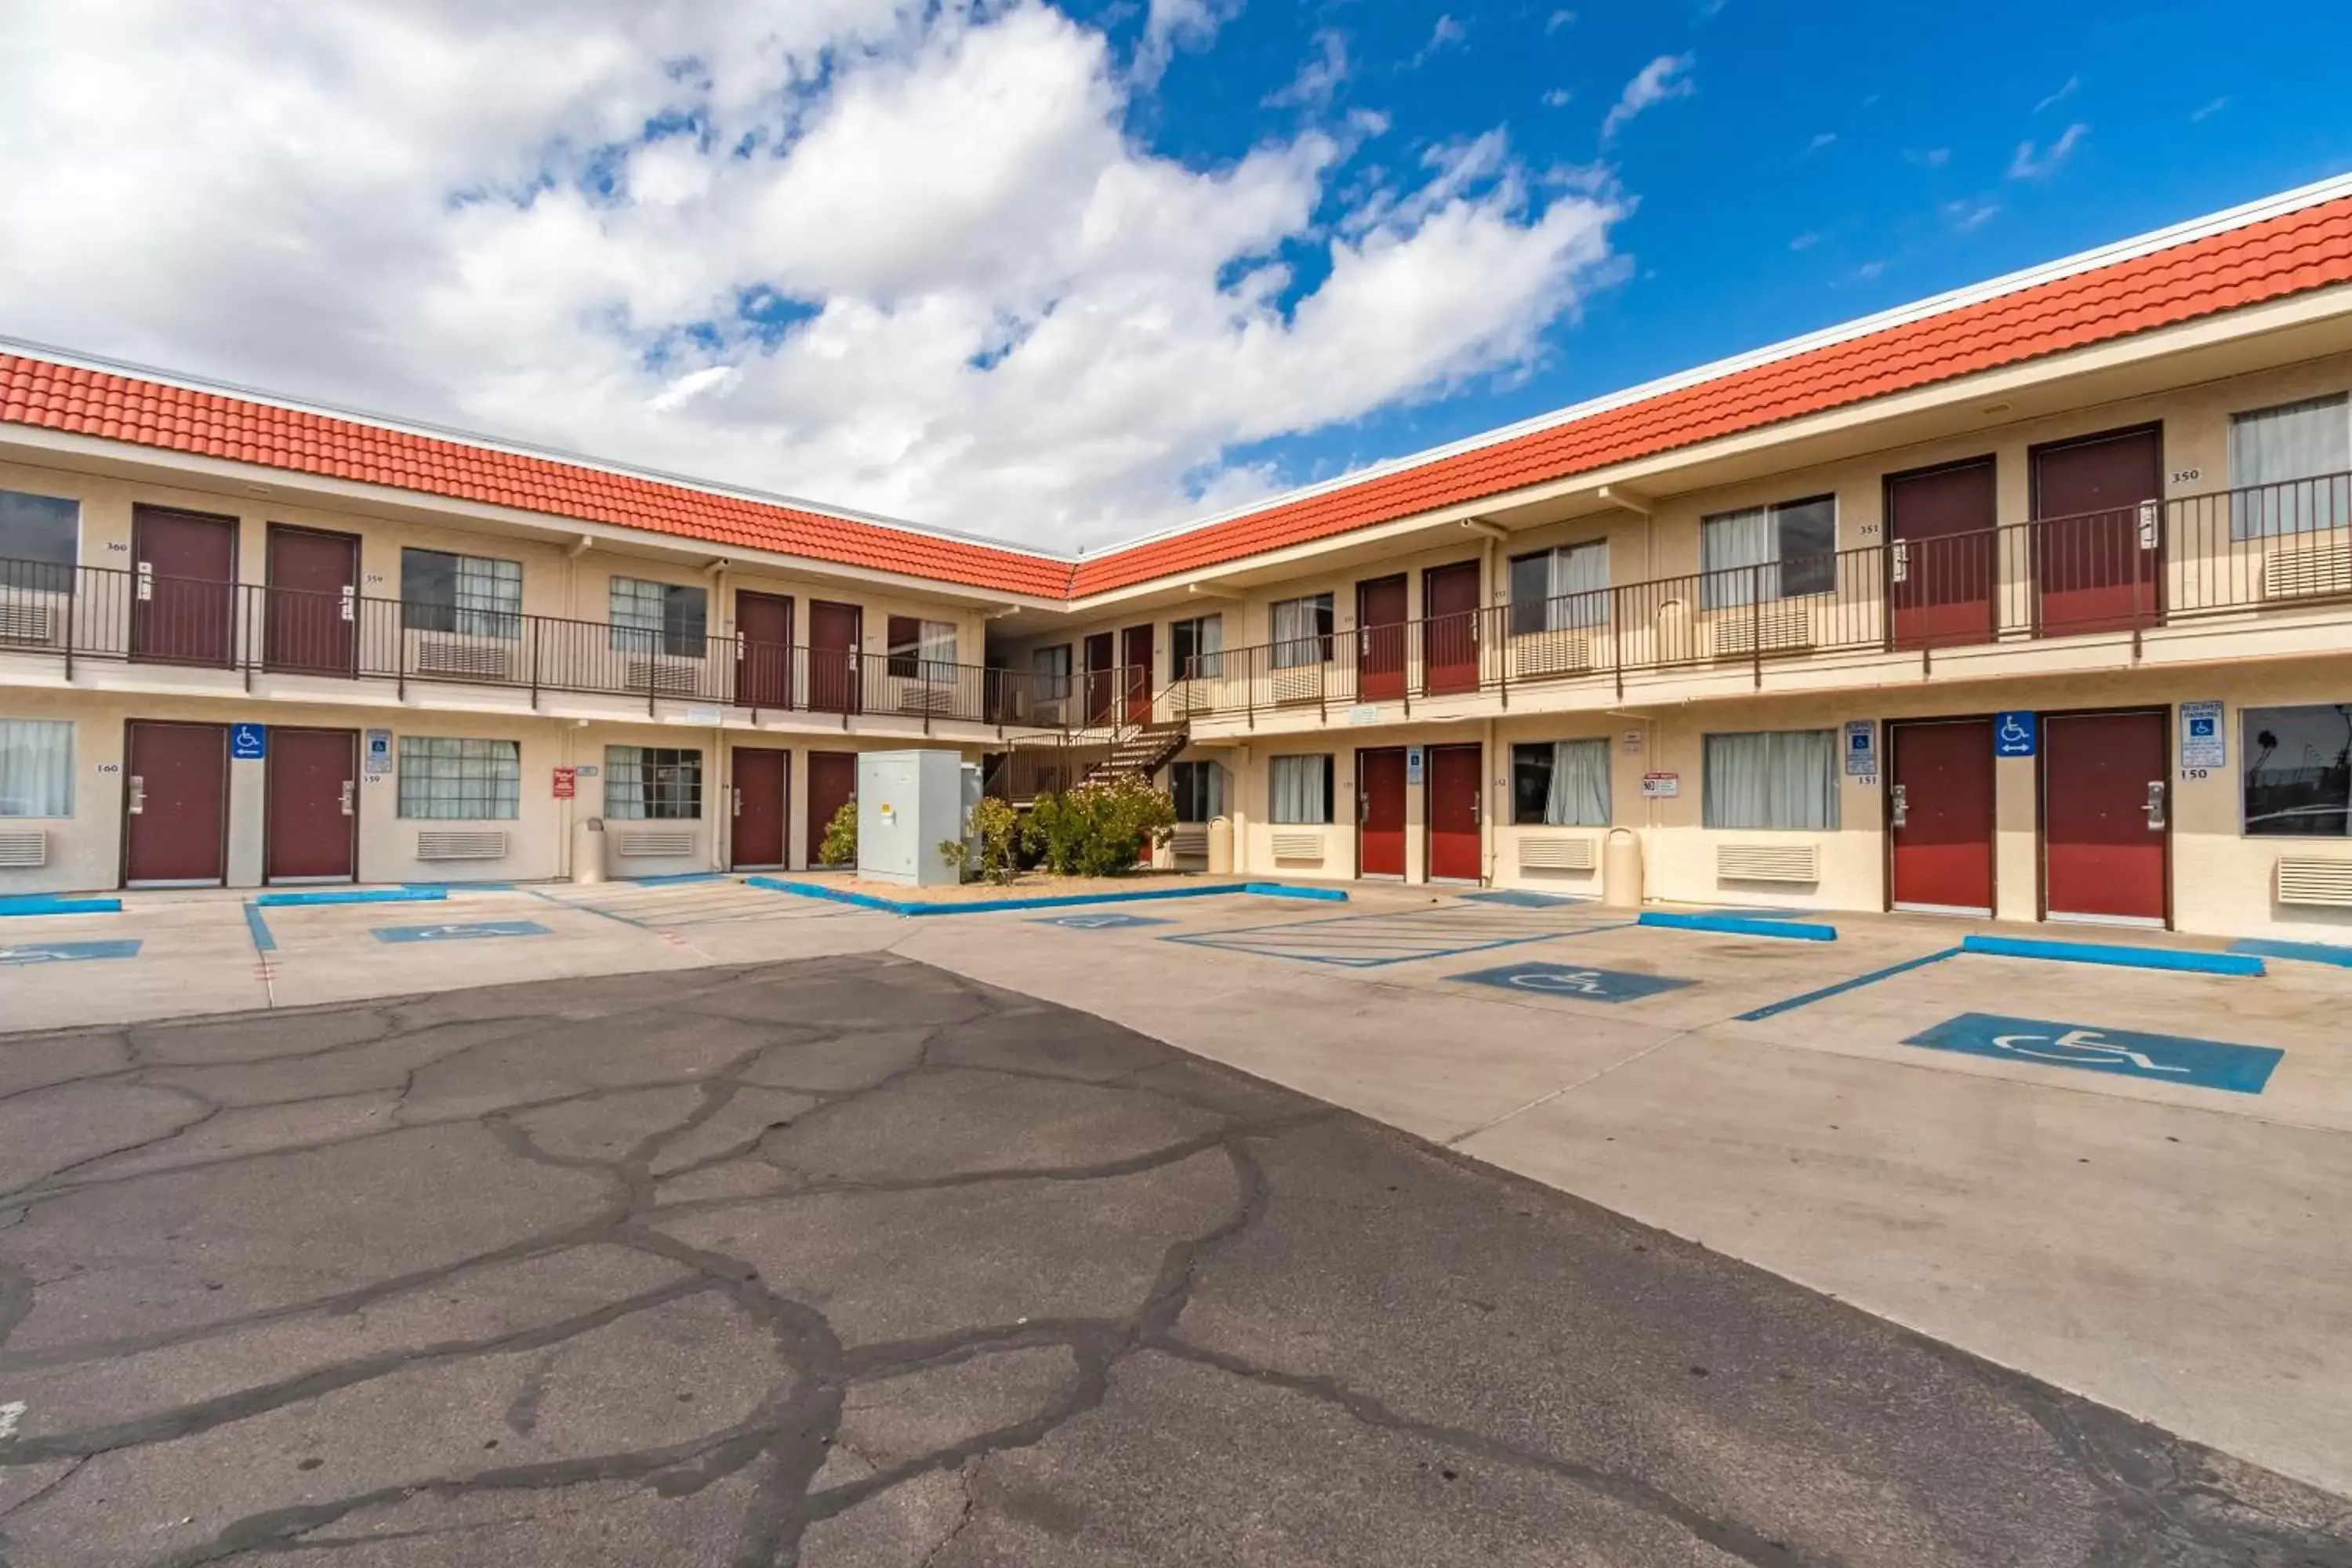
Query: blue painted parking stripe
point(2115, 953)
point(57, 904)
point(2302, 951)
point(1774, 1009)
point(1740, 925)
point(262, 940)
point(1522, 899)
point(671, 878)
point(350, 896)
point(25, 952)
point(1049, 901)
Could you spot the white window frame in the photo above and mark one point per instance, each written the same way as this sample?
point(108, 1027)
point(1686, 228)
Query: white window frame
point(1725, 585)
point(2295, 503)
point(1324, 790)
point(428, 760)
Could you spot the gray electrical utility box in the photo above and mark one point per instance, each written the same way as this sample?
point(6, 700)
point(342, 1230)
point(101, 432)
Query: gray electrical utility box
point(907, 803)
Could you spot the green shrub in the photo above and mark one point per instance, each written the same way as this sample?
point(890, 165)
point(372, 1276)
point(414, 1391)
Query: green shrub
point(999, 826)
point(840, 845)
point(1101, 827)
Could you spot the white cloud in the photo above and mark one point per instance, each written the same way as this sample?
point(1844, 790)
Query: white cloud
point(2061, 96)
point(1557, 97)
point(1870, 271)
point(895, 254)
point(1967, 216)
point(1319, 78)
point(1173, 25)
point(2209, 109)
point(1805, 241)
point(1447, 31)
point(1558, 20)
point(1821, 139)
point(1667, 76)
point(1933, 158)
point(2031, 164)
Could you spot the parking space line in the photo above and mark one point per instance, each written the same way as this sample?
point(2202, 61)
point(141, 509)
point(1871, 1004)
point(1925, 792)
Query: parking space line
point(263, 942)
point(1774, 1009)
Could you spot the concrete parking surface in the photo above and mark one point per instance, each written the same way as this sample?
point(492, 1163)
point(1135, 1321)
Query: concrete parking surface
point(854, 1261)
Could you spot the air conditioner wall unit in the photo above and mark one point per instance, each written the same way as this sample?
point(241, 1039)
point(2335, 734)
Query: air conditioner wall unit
point(1558, 852)
point(468, 658)
point(461, 844)
point(24, 849)
point(2309, 571)
point(1767, 862)
point(648, 843)
point(2314, 879)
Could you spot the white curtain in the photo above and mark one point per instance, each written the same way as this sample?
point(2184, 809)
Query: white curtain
point(1727, 543)
point(35, 767)
point(2310, 441)
point(938, 652)
point(1302, 790)
point(1578, 589)
point(1208, 648)
point(1298, 631)
point(1783, 780)
point(1579, 796)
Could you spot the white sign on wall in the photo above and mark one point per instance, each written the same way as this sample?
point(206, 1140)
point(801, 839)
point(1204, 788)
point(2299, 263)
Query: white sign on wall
point(1630, 743)
point(1662, 786)
point(2203, 742)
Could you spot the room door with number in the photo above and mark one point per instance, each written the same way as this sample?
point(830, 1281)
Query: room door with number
point(1940, 815)
point(1380, 628)
point(835, 633)
point(1380, 813)
point(1456, 848)
point(1135, 672)
point(312, 625)
point(1943, 555)
point(1101, 680)
point(1449, 611)
point(312, 800)
point(763, 649)
point(183, 588)
point(761, 794)
point(2098, 564)
point(2107, 818)
point(175, 805)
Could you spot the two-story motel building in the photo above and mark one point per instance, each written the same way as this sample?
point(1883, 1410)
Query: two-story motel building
point(2030, 601)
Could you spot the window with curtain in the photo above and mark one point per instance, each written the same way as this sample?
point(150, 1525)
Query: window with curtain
point(2298, 777)
point(1559, 590)
point(472, 595)
point(1198, 789)
point(1196, 647)
point(1302, 631)
point(1785, 780)
point(667, 617)
point(653, 784)
point(1050, 667)
point(1793, 547)
point(2298, 452)
point(450, 778)
point(921, 650)
point(40, 539)
point(1302, 790)
point(35, 767)
point(1561, 783)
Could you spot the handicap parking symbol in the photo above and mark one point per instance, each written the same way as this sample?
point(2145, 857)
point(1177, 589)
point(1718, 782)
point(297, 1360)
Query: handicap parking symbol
point(474, 931)
point(1583, 984)
point(1100, 922)
point(2169, 1058)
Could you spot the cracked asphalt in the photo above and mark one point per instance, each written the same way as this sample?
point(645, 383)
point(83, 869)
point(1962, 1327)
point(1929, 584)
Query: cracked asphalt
point(855, 1262)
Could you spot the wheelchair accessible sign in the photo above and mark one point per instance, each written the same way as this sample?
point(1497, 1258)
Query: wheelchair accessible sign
point(2118, 1053)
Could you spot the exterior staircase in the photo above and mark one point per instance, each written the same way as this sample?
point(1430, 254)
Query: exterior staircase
point(1043, 764)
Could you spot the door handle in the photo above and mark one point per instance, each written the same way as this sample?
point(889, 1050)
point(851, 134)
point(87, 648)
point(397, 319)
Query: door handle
point(1902, 559)
point(146, 580)
point(1474, 804)
point(351, 604)
point(1899, 804)
point(349, 789)
point(137, 794)
point(2155, 807)
point(738, 794)
point(2150, 533)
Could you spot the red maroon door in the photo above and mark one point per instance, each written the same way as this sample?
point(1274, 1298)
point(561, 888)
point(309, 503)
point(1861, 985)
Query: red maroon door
point(1943, 555)
point(1449, 611)
point(183, 602)
point(1102, 681)
point(832, 785)
point(1379, 639)
point(1134, 671)
point(2094, 571)
point(1380, 813)
point(1456, 853)
point(762, 786)
point(835, 633)
point(175, 804)
point(310, 805)
point(1940, 815)
point(764, 651)
point(312, 624)
point(2105, 832)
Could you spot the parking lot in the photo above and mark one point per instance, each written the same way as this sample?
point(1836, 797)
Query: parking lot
point(2130, 1184)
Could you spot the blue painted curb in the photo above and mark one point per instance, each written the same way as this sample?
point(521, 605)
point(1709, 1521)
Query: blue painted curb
point(262, 940)
point(2116, 954)
point(1056, 901)
point(56, 904)
point(1741, 925)
point(351, 896)
point(2302, 951)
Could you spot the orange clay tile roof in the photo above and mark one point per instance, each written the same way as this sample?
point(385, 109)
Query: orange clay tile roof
point(209, 424)
point(2310, 248)
point(2305, 250)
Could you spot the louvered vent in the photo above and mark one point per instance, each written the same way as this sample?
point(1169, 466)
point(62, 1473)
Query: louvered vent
point(23, 848)
point(1767, 862)
point(1557, 852)
point(643, 843)
point(677, 677)
point(1767, 628)
point(1191, 842)
point(1551, 653)
point(919, 698)
point(2308, 573)
point(2311, 880)
point(26, 624)
point(461, 844)
point(1299, 847)
point(1299, 683)
point(466, 658)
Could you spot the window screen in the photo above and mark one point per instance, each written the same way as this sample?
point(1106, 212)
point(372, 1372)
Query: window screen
point(473, 596)
point(652, 783)
point(446, 778)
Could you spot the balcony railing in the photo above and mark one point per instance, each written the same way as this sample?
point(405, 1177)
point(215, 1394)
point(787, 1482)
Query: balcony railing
point(92, 612)
point(2270, 548)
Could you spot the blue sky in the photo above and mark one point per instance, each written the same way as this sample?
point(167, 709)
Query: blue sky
point(1065, 273)
point(1832, 158)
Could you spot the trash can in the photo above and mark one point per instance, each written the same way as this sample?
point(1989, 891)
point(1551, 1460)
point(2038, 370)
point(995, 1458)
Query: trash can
point(1621, 869)
point(588, 851)
point(1221, 846)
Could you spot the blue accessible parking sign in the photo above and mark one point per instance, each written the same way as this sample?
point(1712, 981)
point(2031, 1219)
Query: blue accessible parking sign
point(472, 931)
point(1573, 981)
point(2168, 1058)
point(248, 743)
point(2015, 734)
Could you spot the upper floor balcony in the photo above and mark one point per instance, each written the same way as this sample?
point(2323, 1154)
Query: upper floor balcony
point(2231, 574)
point(198, 635)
